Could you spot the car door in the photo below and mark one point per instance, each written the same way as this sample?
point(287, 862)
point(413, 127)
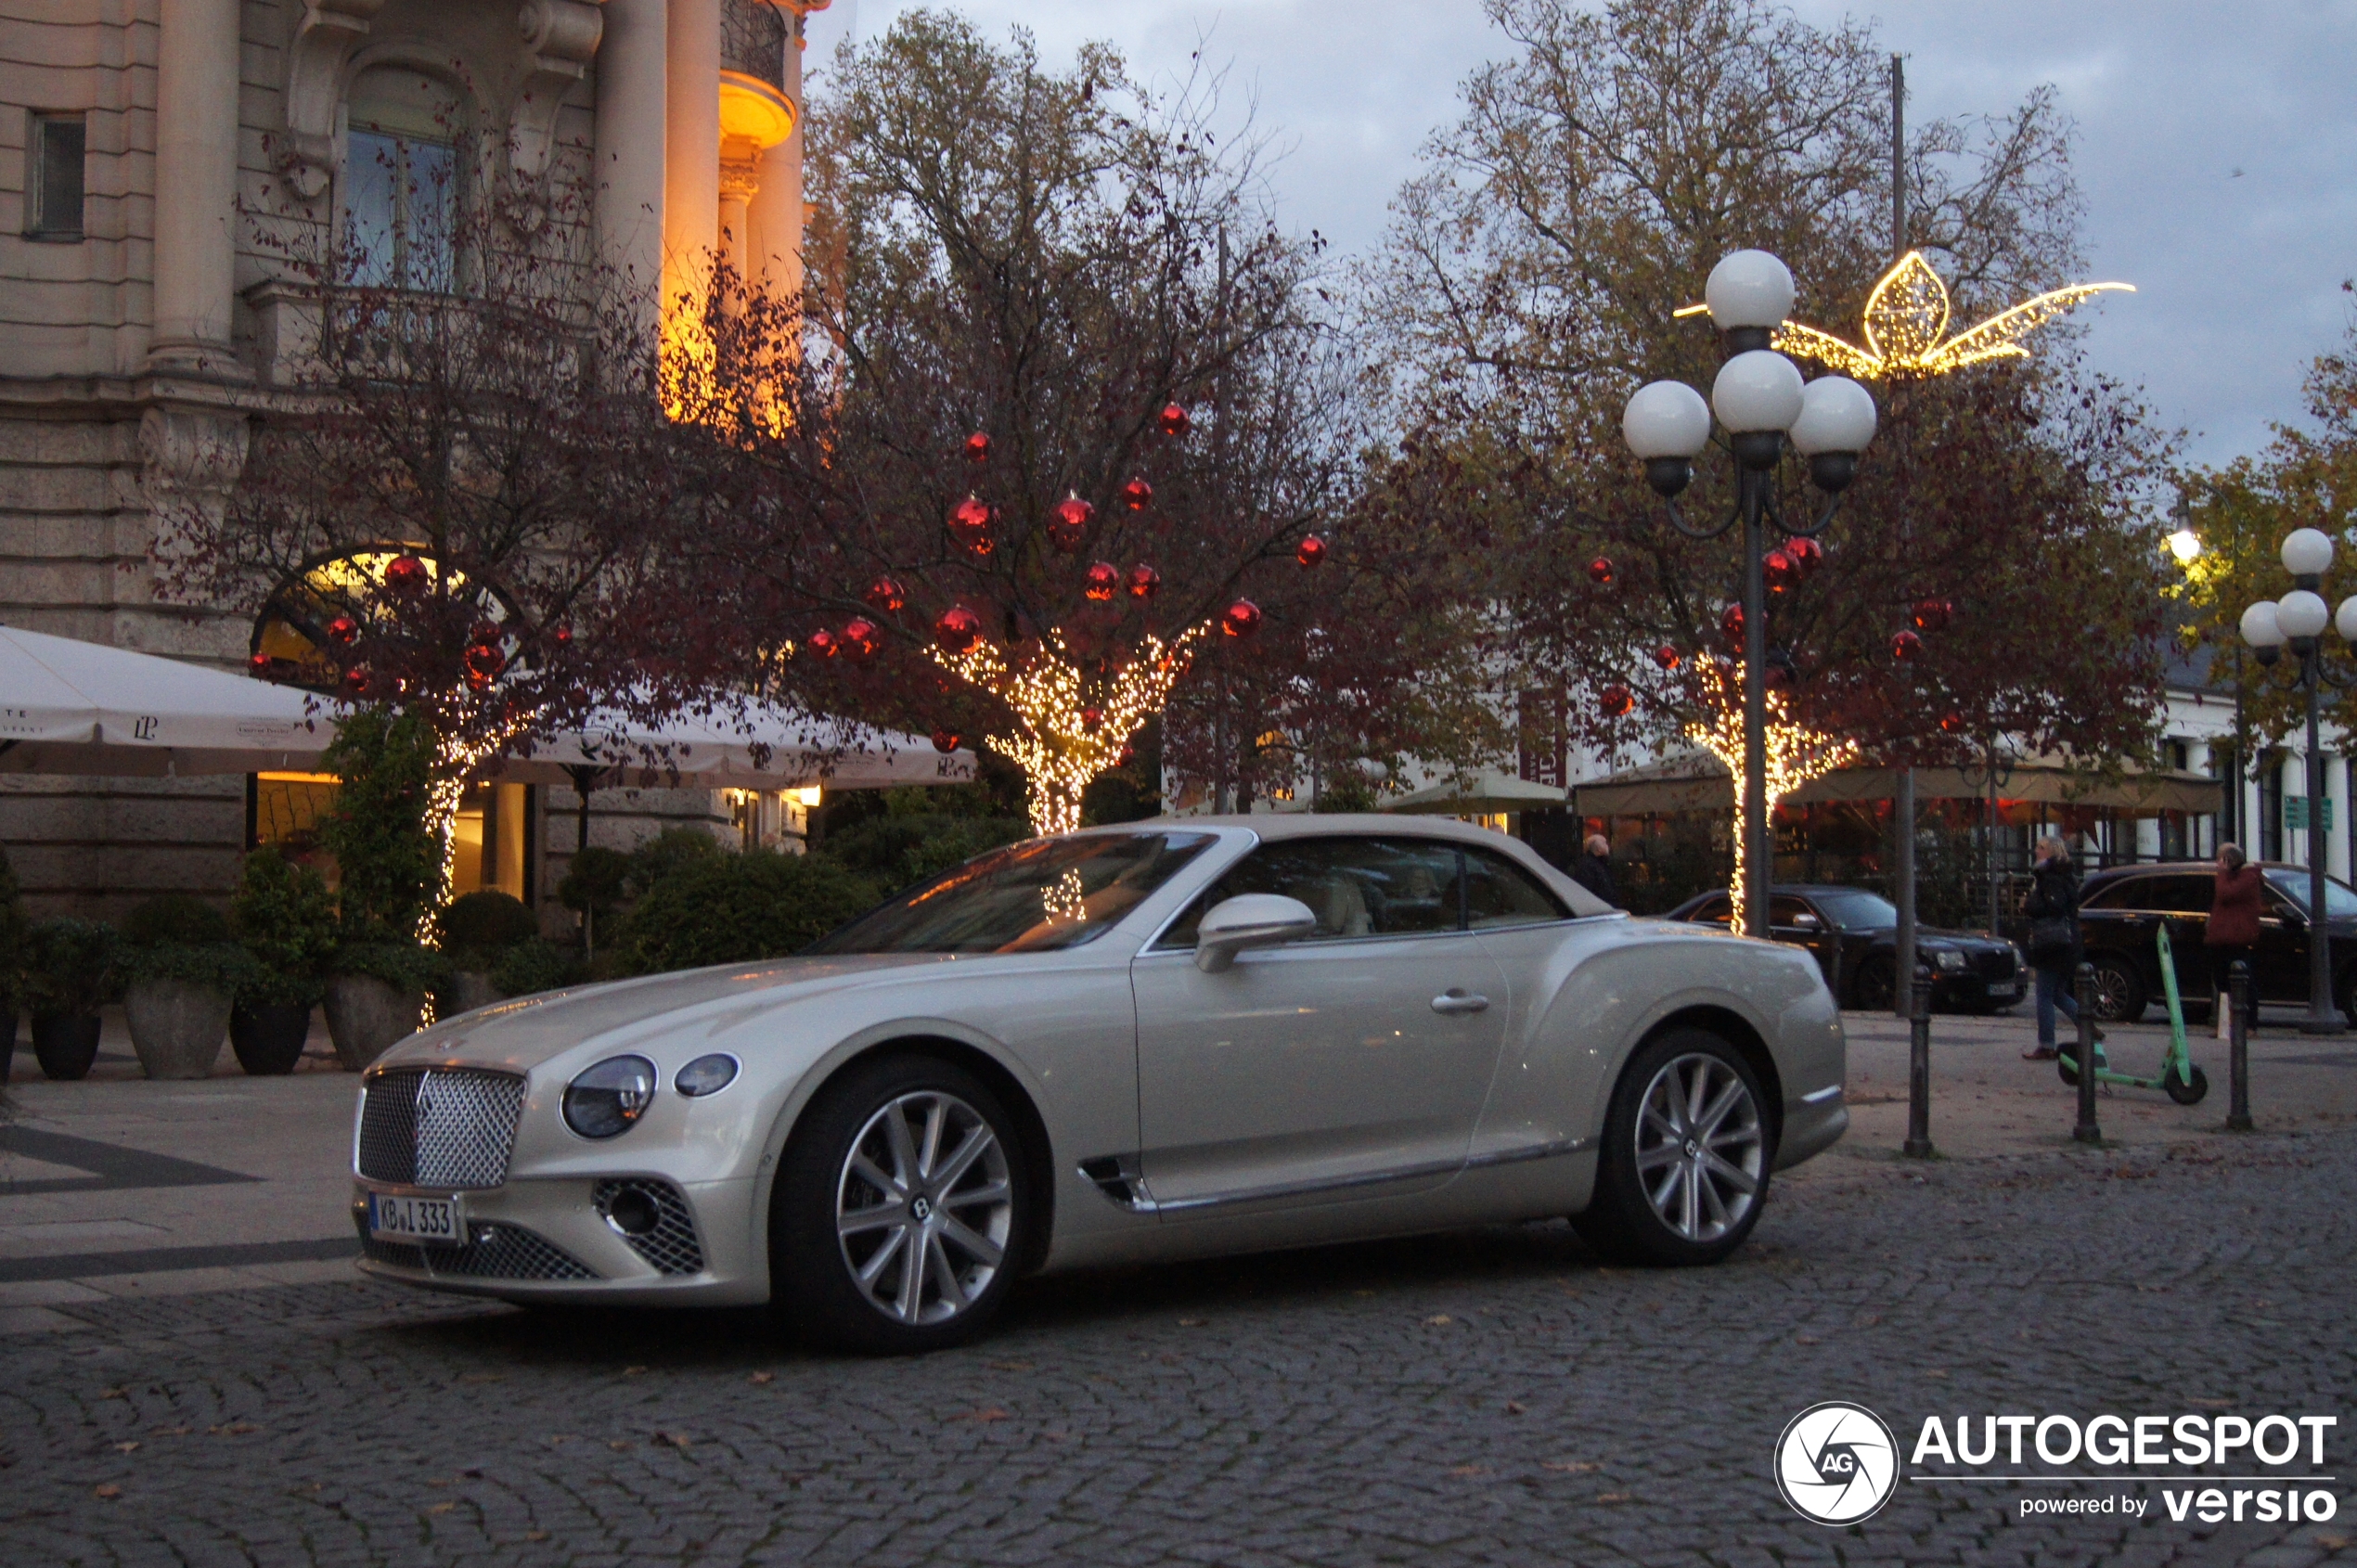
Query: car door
point(1792, 918)
point(2182, 899)
point(1358, 1057)
point(2280, 960)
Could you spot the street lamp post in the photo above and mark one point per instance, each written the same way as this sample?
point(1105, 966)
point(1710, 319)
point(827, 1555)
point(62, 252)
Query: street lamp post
point(1764, 406)
point(2297, 621)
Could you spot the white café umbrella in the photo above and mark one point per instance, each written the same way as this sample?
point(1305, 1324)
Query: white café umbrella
point(82, 707)
point(1481, 793)
point(762, 746)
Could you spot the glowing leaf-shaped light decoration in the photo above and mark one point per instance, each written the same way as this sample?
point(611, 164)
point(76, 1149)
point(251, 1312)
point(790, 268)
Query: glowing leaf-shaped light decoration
point(1906, 328)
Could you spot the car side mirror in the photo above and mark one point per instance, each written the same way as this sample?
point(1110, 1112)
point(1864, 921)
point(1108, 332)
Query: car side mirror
point(1804, 921)
point(1250, 919)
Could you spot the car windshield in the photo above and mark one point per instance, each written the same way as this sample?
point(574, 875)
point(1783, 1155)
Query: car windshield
point(1852, 909)
point(1041, 894)
point(2339, 901)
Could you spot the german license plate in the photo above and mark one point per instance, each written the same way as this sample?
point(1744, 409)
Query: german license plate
point(432, 1222)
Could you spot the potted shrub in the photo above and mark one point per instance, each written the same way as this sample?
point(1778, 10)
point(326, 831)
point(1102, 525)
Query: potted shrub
point(593, 886)
point(738, 908)
point(12, 932)
point(536, 965)
point(476, 931)
point(69, 975)
point(286, 918)
point(182, 967)
point(389, 865)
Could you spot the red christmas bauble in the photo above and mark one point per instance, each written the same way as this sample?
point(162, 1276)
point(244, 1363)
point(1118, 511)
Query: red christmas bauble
point(1952, 723)
point(1144, 581)
point(1093, 719)
point(343, 631)
point(1807, 554)
point(1173, 419)
point(860, 637)
point(885, 594)
point(259, 663)
point(957, 630)
point(978, 448)
point(484, 634)
point(1906, 646)
point(823, 643)
point(1668, 656)
point(1730, 625)
point(479, 680)
point(356, 680)
point(1104, 580)
point(1932, 614)
point(564, 636)
point(1241, 619)
point(1310, 551)
point(1615, 701)
point(486, 661)
point(969, 523)
point(406, 575)
point(1068, 524)
point(1780, 570)
point(1600, 571)
point(1136, 495)
point(945, 740)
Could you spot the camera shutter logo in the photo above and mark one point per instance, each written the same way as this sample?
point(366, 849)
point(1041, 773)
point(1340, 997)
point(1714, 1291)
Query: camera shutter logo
point(1836, 1463)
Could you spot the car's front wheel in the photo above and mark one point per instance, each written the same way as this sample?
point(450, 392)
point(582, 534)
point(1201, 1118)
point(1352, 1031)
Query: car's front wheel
point(901, 1210)
point(1687, 1151)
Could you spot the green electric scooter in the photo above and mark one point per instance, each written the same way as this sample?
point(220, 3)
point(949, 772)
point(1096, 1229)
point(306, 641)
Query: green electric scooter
point(2184, 1081)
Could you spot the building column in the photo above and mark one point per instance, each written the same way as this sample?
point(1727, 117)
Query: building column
point(631, 144)
point(196, 74)
point(691, 147)
point(740, 182)
point(777, 210)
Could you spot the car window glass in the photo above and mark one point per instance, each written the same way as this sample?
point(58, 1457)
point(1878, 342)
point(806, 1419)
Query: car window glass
point(2339, 901)
point(1042, 894)
point(1354, 887)
point(2128, 892)
point(1499, 892)
point(2184, 894)
point(1854, 911)
point(1790, 911)
point(1715, 910)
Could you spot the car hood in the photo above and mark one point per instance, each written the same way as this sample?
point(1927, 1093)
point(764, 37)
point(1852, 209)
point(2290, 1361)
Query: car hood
point(1885, 935)
point(521, 1033)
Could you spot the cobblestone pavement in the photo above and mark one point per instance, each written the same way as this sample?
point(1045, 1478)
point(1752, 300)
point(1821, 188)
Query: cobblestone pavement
point(1493, 1397)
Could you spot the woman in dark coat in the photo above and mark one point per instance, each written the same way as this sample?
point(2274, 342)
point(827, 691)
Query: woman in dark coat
point(2233, 929)
point(2054, 895)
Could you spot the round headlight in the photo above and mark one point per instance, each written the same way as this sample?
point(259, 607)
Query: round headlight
point(1948, 958)
point(707, 1075)
point(609, 1098)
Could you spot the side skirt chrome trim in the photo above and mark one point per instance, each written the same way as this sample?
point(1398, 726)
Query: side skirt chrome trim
point(1831, 1091)
point(1119, 1177)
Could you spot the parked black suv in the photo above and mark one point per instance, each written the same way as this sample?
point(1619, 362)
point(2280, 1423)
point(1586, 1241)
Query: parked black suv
point(2120, 909)
point(1855, 936)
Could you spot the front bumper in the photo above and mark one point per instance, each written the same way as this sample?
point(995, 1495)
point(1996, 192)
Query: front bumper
point(545, 1240)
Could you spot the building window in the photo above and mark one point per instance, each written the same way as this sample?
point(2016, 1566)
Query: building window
point(2270, 805)
point(53, 177)
point(402, 195)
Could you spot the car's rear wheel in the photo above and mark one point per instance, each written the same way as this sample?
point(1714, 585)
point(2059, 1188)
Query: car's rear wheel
point(1687, 1151)
point(2119, 990)
point(902, 1208)
point(1870, 992)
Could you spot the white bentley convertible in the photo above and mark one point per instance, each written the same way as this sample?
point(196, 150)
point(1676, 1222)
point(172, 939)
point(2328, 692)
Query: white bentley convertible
point(1152, 1041)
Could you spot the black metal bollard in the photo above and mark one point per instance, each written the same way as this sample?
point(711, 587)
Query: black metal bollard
point(2238, 1056)
point(1918, 1144)
point(2087, 1131)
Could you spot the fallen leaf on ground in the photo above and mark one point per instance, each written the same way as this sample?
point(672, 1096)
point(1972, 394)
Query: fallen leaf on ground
point(109, 1490)
point(442, 1507)
point(536, 1535)
point(1867, 1321)
point(235, 1429)
point(1514, 1407)
point(1471, 1470)
point(991, 1413)
point(132, 1448)
point(1569, 1466)
point(1614, 1497)
point(1438, 1320)
point(114, 1393)
point(677, 1439)
point(619, 1443)
point(1192, 1322)
point(1007, 1366)
point(2332, 1543)
point(1935, 1372)
point(2214, 1404)
point(632, 1371)
point(764, 1376)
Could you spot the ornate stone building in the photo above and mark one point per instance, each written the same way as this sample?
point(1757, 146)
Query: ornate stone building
point(155, 157)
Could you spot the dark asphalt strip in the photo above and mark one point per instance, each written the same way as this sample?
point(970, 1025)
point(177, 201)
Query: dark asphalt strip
point(159, 1260)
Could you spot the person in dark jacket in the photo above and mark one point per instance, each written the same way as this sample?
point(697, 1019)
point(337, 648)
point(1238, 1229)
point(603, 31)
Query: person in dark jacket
point(2233, 929)
point(2054, 895)
point(1593, 869)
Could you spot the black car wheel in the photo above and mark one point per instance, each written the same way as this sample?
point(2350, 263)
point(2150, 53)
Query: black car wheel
point(1870, 992)
point(903, 1205)
point(2119, 990)
point(1687, 1152)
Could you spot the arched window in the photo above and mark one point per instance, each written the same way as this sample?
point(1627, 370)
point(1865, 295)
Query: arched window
point(403, 173)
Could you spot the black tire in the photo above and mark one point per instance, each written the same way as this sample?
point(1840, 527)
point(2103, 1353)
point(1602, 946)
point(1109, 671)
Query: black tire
point(946, 1224)
point(1622, 1220)
point(1871, 991)
point(2181, 1091)
point(2120, 995)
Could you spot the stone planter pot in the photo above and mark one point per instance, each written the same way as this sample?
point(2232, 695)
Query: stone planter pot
point(365, 1016)
point(269, 1040)
point(7, 1042)
point(65, 1044)
point(176, 1027)
point(473, 991)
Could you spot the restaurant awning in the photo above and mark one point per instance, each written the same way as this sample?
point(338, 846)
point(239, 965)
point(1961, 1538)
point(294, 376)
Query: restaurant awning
point(1697, 781)
point(764, 747)
point(68, 706)
point(1480, 794)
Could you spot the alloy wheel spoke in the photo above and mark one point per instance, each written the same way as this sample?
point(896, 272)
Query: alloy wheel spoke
point(1743, 1136)
point(1690, 1205)
point(929, 1147)
point(996, 1192)
point(1736, 1175)
point(904, 1148)
point(976, 1143)
point(1716, 1113)
point(1718, 1207)
point(1665, 1125)
point(858, 1222)
point(972, 1242)
point(945, 1274)
point(1697, 1091)
point(871, 1271)
point(1660, 1154)
point(912, 1279)
point(866, 1170)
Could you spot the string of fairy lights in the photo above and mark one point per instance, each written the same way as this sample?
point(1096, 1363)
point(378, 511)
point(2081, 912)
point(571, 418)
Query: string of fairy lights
point(1797, 753)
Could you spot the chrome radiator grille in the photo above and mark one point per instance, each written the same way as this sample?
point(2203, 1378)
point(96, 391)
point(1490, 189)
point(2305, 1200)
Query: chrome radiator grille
point(451, 1128)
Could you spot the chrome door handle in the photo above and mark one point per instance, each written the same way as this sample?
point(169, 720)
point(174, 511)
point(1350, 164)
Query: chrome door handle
point(1456, 999)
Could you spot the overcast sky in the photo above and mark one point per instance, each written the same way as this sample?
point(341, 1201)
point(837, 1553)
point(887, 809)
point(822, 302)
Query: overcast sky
point(2217, 146)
